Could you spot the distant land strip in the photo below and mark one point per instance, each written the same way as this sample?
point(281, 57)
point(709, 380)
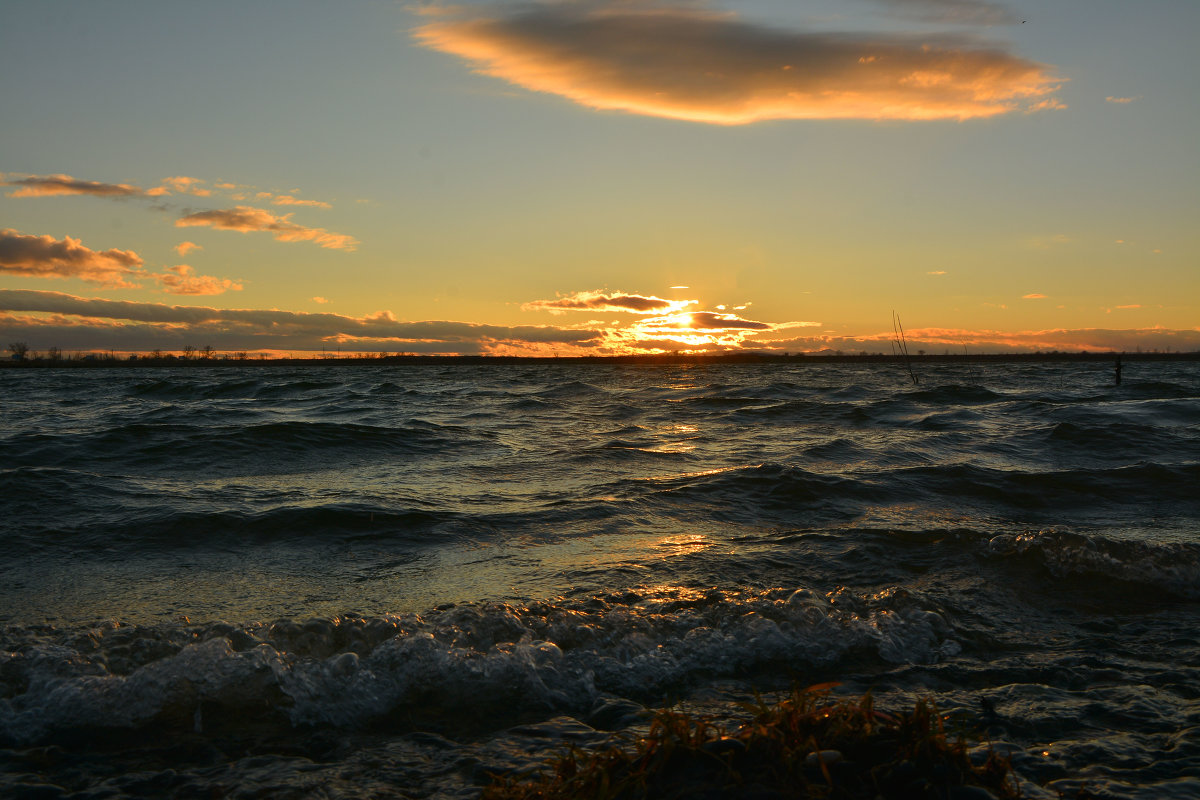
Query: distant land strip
point(103, 361)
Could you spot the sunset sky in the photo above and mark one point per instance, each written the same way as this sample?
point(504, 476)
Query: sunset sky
point(600, 177)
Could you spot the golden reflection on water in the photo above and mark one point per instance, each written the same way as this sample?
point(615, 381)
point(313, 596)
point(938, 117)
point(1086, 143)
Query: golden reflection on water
point(681, 545)
point(674, 439)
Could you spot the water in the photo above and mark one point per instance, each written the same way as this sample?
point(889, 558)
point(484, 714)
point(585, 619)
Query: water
point(389, 581)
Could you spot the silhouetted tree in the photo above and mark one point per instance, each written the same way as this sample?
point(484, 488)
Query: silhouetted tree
point(18, 349)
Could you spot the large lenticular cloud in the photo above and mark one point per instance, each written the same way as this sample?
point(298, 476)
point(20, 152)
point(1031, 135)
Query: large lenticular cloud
point(690, 64)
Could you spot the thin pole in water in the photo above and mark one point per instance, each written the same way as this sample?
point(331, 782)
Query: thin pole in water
point(902, 344)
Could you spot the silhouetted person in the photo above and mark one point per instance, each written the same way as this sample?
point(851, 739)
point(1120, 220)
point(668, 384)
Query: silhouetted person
point(1117, 369)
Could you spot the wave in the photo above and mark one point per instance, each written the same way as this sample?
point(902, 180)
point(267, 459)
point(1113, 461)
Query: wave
point(484, 659)
point(302, 444)
point(1141, 568)
point(114, 526)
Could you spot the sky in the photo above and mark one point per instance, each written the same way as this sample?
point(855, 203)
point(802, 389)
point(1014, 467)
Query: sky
point(591, 177)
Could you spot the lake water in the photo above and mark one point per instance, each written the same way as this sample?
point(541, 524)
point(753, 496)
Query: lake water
point(391, 580)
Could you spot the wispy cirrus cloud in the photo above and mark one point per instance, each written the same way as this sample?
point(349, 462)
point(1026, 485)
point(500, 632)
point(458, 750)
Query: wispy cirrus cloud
point(52, 185)
point(685, 62)
point(46, 257)
point(603, 300)
point(1120, 100)
point(288, 200)
point(959, 12)
point(181, 280)
point(248, 219)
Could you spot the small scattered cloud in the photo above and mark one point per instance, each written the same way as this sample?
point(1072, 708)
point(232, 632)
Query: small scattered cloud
point(936, 272)
point(680, 287)
point(1033, 296)
point(247, 219)
point(288, 200)
point(1048, 242)
point(181, 184)
point(690, 63)
point(1049, 104)
point(47, 257)
point(320, 300)
point(183, 248)
point(1121, 100)
point(1131, 305)
point(608, 301)
point(180, 280)
point(51, 185)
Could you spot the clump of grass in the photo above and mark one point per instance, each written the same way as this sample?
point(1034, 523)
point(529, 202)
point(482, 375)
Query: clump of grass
point(806, 746)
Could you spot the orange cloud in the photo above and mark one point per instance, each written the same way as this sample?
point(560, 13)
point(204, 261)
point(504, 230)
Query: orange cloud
point(49, 185)
point(288, 200)
point(606, 301)
point(1033, 296)
point(183, 248)
point(320, 300)
point(248, 219)
point(180, 280)
point(691, 64)
point(1120, 100)
point(47, 257)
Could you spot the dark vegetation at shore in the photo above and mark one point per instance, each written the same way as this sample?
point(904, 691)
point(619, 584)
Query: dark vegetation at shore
point(806, 746)
point(236, 360)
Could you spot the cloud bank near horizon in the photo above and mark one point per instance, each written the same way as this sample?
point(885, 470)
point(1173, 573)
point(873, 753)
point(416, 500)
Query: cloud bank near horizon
point(72, 322)
point(685, 62)
point(46, 319)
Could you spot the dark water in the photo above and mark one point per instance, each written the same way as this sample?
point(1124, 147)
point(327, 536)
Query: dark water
point(375, 582)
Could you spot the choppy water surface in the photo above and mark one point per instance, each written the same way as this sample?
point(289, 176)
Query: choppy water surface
point(388, 581)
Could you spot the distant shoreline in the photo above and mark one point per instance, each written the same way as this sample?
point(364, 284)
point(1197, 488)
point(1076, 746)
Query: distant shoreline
point(100, 362)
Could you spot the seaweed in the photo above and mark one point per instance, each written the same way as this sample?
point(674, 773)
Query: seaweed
point(808, 745)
